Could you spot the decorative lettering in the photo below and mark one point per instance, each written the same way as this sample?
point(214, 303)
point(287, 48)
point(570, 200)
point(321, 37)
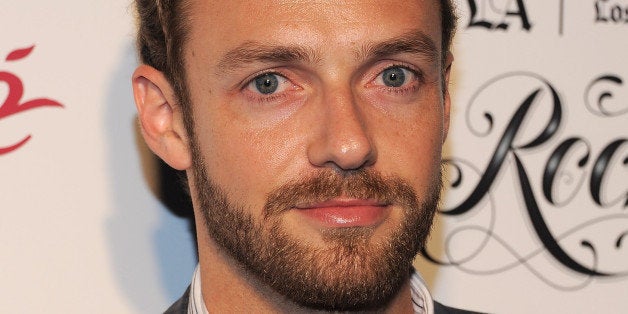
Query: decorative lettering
point(11, 104)
point(598, 99)
point(501, 16)
point(567, 169)
point(606, 12)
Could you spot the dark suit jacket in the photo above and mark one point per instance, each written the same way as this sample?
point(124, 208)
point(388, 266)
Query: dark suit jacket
point(181, 307)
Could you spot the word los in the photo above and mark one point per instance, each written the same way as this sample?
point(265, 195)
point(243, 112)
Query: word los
point(606, 12)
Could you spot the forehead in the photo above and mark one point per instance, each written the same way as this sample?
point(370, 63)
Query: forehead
point(218, 26)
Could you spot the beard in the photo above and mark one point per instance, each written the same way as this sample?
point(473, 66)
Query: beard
point(352, 269)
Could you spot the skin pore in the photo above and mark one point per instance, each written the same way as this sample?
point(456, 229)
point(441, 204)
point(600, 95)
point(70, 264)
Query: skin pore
point(302, 108)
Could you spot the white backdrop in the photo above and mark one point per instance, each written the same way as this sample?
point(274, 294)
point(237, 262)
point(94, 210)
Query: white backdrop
point(82, 230)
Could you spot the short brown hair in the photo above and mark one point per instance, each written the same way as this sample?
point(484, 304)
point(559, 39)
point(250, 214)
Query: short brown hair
point(162, 33)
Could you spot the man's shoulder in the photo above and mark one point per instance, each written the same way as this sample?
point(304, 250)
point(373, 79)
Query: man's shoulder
point(443, 309)
point(181, 306)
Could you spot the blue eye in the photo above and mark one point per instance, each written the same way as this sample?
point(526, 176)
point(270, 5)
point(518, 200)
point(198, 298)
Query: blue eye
point(267, 83)
point(394, 76)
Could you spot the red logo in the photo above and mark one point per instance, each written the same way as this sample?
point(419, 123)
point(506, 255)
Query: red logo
point(12, 103)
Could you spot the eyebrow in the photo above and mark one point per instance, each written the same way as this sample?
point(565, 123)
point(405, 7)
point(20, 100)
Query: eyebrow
point(252, 51)
point(414, 42)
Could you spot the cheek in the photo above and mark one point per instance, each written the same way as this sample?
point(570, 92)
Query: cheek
point(419, 147)
point(248, 162)
point(412, 145)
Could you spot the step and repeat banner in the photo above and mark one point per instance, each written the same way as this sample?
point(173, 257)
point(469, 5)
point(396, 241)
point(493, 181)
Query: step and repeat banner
point(534, 216)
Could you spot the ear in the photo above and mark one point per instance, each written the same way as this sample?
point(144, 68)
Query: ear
point(160, 117)
point(446, 98)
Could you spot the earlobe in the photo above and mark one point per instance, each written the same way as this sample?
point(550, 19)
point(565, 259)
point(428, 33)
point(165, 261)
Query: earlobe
point(446, 97)
point(160, 117)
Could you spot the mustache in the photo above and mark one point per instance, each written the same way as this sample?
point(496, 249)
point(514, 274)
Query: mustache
point(329, 184)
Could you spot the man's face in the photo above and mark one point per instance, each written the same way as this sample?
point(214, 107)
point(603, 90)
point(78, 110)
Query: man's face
point(317, 139)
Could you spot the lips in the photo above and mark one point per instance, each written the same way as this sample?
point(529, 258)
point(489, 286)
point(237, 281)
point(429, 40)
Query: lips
point(343, 213)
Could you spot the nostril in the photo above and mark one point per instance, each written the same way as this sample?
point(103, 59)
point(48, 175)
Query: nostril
point(342, 152)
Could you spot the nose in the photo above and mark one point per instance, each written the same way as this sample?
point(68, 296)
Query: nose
point(341, 139)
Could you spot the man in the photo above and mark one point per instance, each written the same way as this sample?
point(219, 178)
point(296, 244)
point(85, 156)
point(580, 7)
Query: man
point(311, 135)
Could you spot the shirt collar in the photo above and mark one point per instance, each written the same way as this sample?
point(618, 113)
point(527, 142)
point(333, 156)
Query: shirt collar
point(196, 305)
point(422, 301)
